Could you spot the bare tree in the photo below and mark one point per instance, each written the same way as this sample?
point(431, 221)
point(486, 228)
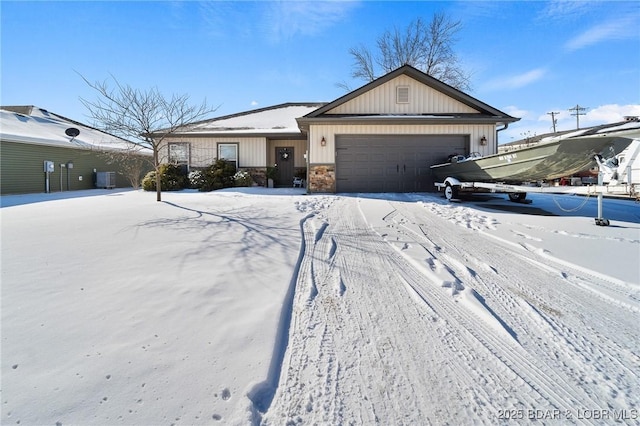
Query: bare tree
point(364, 69)
point(144, 116)
point(426, 46)
point(130, 161)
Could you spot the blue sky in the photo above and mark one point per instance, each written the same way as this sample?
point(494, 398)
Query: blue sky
point(526, 58)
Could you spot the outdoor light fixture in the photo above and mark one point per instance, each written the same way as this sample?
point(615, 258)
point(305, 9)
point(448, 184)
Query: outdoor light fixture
point(483, 140)
point(323, 142)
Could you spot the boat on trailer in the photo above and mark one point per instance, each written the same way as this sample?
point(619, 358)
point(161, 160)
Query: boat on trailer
point(543, 162)
point(531, 169)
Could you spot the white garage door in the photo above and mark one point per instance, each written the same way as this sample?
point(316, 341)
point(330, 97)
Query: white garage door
point(392, 163)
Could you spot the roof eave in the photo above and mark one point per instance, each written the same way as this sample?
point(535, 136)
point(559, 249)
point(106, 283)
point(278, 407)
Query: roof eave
point(231, 134)
point(304, 122)
point(28, 140)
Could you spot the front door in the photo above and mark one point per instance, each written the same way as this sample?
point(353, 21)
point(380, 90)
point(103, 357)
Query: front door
point(284, 166)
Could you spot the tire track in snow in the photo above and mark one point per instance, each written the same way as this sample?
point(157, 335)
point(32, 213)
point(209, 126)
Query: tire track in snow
point(465, 350)
point(586, 362)
point(557, 340)
point(396, 348)
point(311, 351)
point(262, 394)
point(375, 375)
point(597, 357)
point(541, 378)
point(550, 386)
point(611, 292)
point(413, 279)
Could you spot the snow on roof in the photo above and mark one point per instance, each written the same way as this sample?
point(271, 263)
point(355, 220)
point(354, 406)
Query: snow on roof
point(275, 119)
point(33, 125)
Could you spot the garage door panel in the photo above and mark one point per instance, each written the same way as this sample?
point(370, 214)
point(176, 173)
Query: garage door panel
point(389, 163)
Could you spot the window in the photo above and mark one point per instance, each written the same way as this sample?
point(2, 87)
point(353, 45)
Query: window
point(179, 153)
point(229, 153)
point(402, 94)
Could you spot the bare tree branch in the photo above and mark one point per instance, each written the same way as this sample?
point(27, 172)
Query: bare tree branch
point(344, 86)
point(426, 46)
point(144, 116)
point(363, 64)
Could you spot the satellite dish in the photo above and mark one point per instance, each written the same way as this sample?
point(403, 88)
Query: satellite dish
point(72, 131)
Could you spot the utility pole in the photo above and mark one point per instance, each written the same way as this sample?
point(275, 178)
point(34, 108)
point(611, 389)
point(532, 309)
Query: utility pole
point(554, 120)
point(578, 112)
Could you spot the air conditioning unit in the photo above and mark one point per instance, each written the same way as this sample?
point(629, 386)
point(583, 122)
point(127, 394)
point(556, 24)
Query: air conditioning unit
point(106, 180)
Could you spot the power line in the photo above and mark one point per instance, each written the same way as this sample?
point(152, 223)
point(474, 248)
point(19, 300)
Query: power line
point(578, 112)
point(554, 120)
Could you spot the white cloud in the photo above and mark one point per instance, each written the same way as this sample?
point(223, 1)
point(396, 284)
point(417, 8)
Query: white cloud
point(287, 19)
point(276, 20)
point(615, 29)
point(514, 111)
point(612, 113)
point(478, 9)
point(603, 114)
point(254, 103)
point(516, 81)
point(217, 15)
point(542, 124)
point(560, 10)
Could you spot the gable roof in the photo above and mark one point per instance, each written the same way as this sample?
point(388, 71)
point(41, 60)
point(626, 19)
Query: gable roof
point(484, 112)
point(32, 125)
point(273, 121)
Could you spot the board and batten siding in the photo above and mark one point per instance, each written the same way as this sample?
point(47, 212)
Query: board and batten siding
point(326, 154)
point(422, 100)
point(252, 151)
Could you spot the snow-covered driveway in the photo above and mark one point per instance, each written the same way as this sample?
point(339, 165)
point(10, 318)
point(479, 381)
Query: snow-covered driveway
point(401, 317)
point(250, 306)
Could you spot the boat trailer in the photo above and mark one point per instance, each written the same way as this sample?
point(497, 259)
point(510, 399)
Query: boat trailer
point(452, 187)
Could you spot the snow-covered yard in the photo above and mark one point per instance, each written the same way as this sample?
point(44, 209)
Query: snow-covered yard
point(257, 306)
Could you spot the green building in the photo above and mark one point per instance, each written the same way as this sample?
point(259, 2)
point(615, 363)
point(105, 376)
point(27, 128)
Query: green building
point(44, 152)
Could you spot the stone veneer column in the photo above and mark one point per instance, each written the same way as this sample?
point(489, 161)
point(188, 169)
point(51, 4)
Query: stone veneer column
point(322, 178)
point(259, 175)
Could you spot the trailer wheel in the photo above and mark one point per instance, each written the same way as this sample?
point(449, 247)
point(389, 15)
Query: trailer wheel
point(450, 192)
point(517, 197)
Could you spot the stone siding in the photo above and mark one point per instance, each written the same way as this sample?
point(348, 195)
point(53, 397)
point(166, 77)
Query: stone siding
point(258, 174)
point(322, 178)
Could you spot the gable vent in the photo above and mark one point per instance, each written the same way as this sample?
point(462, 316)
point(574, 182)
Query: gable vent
point(402, 94)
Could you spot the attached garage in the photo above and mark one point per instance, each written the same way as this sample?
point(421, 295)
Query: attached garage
point(384, 136)
point(391, 163)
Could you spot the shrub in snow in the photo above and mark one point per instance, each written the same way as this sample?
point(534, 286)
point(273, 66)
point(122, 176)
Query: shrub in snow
point(243, 178)
point(172, 178)
point(217, 176)
point(195, 179)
